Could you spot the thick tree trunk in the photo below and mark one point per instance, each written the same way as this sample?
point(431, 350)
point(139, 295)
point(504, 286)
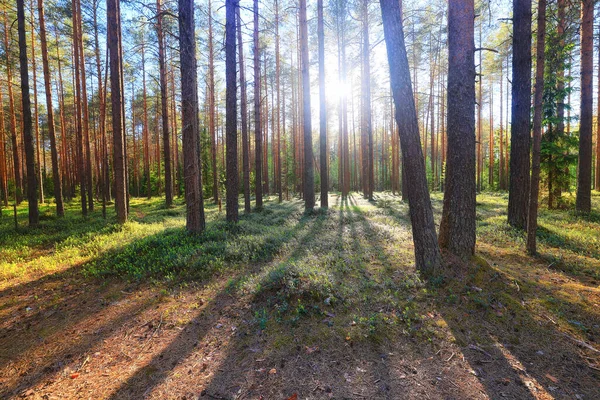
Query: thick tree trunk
point(32, 184)
point(113, 14)
point(457, 228)
point(56, 178)
point(428, 258)
point(518, 197)
point(194, 201)
point(164, 106)
point(231, 112)
point(257, 114)
point(584, 175)
point(537, 128)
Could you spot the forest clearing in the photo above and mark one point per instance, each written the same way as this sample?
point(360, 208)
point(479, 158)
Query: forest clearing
point(322, 306)
point(292, 199)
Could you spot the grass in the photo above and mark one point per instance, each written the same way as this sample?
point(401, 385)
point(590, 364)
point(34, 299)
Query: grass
point(340, 277)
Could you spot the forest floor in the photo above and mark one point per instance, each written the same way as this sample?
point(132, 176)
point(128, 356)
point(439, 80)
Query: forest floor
point(287, 305)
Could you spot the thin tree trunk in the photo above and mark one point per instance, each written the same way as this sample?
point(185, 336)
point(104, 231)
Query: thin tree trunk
point(257, 113)
point(36, 119)
point(537, 129)
point(164, 105)
point(3, 154)
point(322, 109)
point(308, 178)
point(428, 258)
point(56, 177)
point(244, 119)
point(32, 183)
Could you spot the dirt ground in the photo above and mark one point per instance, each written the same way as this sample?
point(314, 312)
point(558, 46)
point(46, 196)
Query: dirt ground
point(68, 336)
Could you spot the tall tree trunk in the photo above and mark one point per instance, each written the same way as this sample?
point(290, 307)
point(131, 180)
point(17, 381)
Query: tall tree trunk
point(79, 100)
point(367, 128)
point(194, 201)
point(3, 155)
point(428, 258)
point(164, 106)
point(32, 184)
point(308, 178)
point(537, 128)
point(244, 119)
point(231, 112)
point(113, 13)
point(36, 119)
point(518, 196)
point(56, 178)
point(278, 84)
point(211, 106)
point(257, 114)
point(597, 183)
point(457, 228)
point(146, 133)
point(322, 109)
point(584, 173)
point(12, 118)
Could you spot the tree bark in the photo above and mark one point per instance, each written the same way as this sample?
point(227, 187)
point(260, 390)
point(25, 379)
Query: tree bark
point(244, 119)
point(537, 128)
point(113, 14)
point(164, 106)
point(257, 114)
point(194, 201)
point(518, 197)
point(583, 202)
point(308, 177)
point(322, 109)
point(32, 184)
point(231, 112)
point(56, 178)
point(457, 228)
point(428, 258)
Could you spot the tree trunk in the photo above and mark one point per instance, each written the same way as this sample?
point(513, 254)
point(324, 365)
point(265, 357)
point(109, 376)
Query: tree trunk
point(244, 119)
point(367, 128)
point(322, 109)
point(164, 106)
point(231, 112)
point(457, 228)
point(194, 201)
point(56, 178)
point(36, 119)
point(257, 114)
point(518, 196)
point(32, 183)
point(308, 177)
point(537, 129)
point(113, 14)
point(3, 155)
point(584, 175)
point(428, 258)
point(12, 118)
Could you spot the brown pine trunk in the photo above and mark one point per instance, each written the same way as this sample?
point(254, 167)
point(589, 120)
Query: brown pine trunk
point(211, 107)
point(584, 175)
point(597, 183)
point(164, 106)
point(194, 201)
point(457, 228)
point(244, 119)
point(79, 100)
point(518, 195)
point(322, 109)
point(491, 138)
point(278, 84)
point(231, 112)
point(428, 258)
point(32, 184)
point(146, 133)
point(501, 178)
point(12, 119)
point(36, 120)
point(3, 154)
point(308, 177)
point(56, 176)
point(537, 129)
point(113, 13)
point(257, 114)
point(367, 125)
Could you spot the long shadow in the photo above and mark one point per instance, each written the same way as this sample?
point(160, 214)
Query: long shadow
point(158, 369)
point(54, 305)
point(552, 238)
point(512, 353)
